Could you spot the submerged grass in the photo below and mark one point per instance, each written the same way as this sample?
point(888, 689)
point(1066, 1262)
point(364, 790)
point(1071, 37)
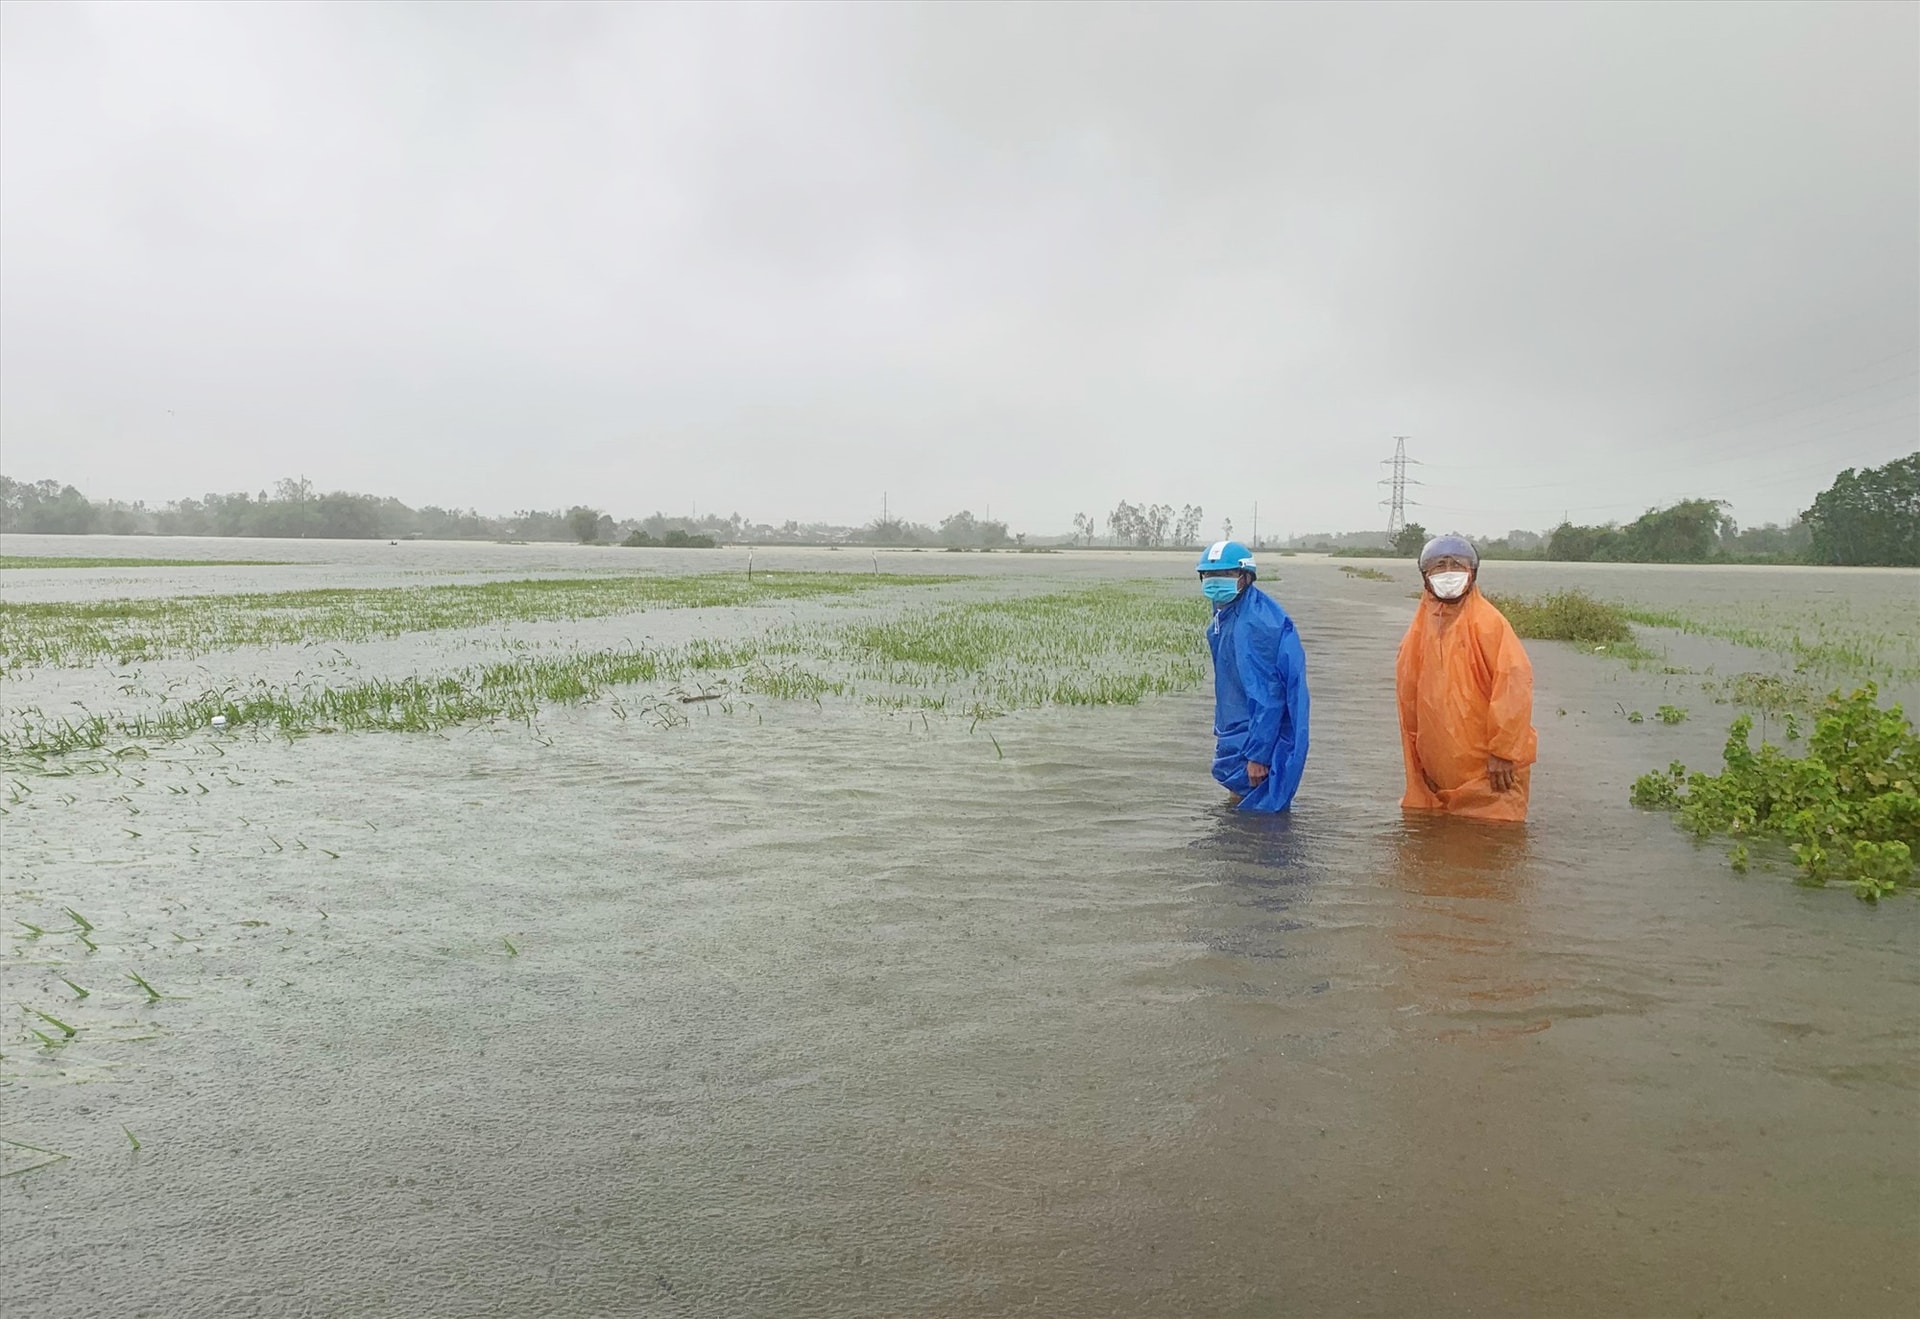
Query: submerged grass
point(1576, 617)
point(514, 689)
point(52, 1156)
point(1828, 638)
point(80, 633)
point(1833, 637)
point(1104, 645)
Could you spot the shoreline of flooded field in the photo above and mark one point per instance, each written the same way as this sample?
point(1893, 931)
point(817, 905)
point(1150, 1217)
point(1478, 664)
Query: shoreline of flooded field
point(838, 1010)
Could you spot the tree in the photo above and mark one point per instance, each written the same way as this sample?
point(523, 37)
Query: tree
point(1691, 531)
point(959, 529)
point(1186, 531)
point(897, 531)
point(1869, 516)
point(963, 530)
point(1084, 527)
point(46, 507)
point(1410, 540)
point(1686, 532)
point(1144, 525)
point(293, 490)
point(584, 523)
point(1571, 544)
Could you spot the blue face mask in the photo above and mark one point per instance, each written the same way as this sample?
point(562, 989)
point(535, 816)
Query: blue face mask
point(1220, 590)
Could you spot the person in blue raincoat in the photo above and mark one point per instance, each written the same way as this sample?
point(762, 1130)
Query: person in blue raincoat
point(1259, 684)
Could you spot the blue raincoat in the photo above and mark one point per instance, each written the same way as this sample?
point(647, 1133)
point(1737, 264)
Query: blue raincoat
point(1259, 700)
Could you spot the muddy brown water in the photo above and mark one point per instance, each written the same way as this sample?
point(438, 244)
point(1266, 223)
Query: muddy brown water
point(829, 1012)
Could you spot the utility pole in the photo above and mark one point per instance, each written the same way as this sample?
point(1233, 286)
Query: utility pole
point(1256, 524)
point(1397, 505)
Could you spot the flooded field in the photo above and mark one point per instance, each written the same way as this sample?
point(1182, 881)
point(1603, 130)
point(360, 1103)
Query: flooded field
point(836, 948)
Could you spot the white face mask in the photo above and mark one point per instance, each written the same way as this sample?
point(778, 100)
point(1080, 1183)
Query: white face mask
point(1449, 585)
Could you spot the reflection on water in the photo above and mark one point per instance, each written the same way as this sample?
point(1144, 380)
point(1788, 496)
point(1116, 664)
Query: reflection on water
point(1441, 856)
point(1464, 930)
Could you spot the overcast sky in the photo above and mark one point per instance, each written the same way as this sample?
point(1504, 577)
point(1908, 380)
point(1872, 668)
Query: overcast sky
point(781, 259)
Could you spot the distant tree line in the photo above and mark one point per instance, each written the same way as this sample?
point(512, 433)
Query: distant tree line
point(1867, 517)
point(294, 509)
point(1690, 531)
point(957, 531)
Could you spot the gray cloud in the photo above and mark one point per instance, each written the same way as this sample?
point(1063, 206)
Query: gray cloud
point(779, 259)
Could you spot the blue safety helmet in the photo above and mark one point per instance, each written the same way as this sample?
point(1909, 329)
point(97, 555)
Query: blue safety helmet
point(1452, 543)
point(1226, 556)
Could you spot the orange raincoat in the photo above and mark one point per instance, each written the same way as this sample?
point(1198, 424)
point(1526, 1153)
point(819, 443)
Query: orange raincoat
point(1466, 693)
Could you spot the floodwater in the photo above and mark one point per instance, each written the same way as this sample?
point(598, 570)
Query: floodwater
point(831, 1012)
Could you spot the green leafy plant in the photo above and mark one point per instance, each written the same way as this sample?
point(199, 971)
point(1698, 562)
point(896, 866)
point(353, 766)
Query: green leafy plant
point(1670, 714)
point(1849, 809)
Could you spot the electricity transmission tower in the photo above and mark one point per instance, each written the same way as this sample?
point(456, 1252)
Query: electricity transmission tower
point(1397, 506)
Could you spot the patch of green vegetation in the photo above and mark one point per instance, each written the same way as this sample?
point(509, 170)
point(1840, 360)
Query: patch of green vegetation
point(1576, 617)
point(79, 633)
point(1671, 714)
point(1849, 809)
point(515, 689)
point(676, 539)
point(70, 561)
point(1104, 645)
point(1565, 616)
point(1366, 574)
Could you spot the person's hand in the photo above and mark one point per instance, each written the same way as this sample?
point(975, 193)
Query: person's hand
point(1256, 773)
point(1499, 774)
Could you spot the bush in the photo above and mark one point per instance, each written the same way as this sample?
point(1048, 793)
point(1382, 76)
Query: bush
point(1565, 616)
point(1849, 809)
point(676, 538)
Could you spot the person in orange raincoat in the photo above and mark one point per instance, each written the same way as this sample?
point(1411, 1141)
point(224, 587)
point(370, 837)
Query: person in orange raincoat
point(1466, 695)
